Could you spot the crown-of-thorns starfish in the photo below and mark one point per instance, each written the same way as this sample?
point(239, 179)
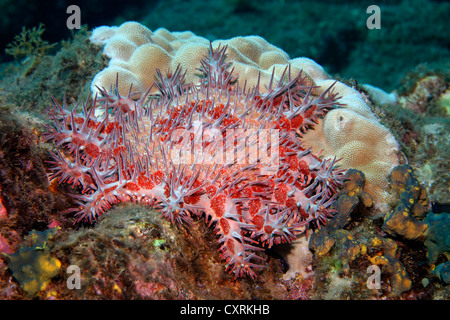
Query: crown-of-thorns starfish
point(210, 148)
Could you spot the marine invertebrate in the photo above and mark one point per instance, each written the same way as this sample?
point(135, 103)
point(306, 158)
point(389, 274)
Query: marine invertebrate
point(352, 133)
point(388, 259)
point(204, 149)
point(405, 219)
point(352, 241)
point(33, 266)
point(333, 234)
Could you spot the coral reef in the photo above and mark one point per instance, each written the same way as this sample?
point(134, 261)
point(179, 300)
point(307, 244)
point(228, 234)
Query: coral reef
point(438, 244)
point(33, 266)
point(412, 207)
point(28, 203)
point(29, 85)
point(353, 134)
point(133, 253)
point(26, 199)
point(421, 123)
point(195, 150)
point(136, 53)
point(387, 257)
point(424, 96)
point(363, 144)
point(352, 244)
point(352, 194)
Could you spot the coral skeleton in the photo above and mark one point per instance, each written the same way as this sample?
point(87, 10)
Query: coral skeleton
point(218, 149)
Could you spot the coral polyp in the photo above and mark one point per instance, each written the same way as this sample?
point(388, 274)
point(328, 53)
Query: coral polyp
point(215, 148)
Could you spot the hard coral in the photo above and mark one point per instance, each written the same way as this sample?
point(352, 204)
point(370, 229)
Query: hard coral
point(363, 144)
point(169, 154)
point(136, 53)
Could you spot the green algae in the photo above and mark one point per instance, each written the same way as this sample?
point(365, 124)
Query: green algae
point(29, 43)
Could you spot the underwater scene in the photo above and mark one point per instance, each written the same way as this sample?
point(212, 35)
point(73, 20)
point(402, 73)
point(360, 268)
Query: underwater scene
point(225, 150)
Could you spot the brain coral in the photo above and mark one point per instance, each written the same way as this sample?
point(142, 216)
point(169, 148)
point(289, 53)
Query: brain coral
point(352, 133)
